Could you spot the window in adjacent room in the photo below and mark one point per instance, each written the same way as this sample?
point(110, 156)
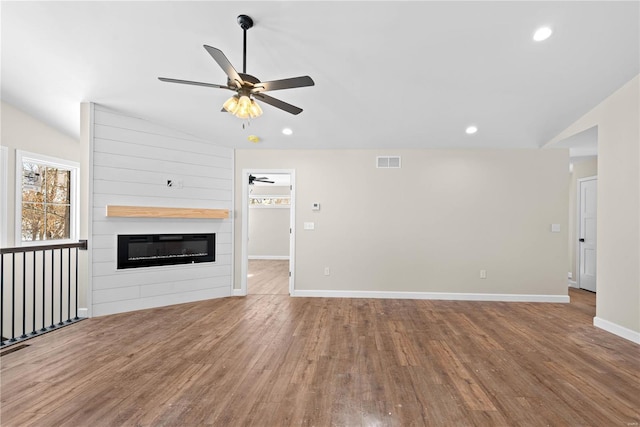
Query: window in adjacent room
point(46, 202)
point(269, 201)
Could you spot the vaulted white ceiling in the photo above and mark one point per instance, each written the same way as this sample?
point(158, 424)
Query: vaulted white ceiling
point(388, 74)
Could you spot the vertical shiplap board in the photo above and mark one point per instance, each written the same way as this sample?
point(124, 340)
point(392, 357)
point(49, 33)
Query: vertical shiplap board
point(132, 161)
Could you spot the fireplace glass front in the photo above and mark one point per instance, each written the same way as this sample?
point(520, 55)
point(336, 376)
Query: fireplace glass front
point(146, 250)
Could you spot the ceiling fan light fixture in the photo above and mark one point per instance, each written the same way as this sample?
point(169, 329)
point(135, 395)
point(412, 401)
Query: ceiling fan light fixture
point(242, 107)
point(245, 85)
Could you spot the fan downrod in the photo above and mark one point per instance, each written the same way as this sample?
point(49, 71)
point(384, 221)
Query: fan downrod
point(245, 22)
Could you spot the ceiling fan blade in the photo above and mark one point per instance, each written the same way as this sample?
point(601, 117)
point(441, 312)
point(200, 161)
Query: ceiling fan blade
point(264, 180)
point(224, 63)
point(290, 83)
point(278, 104)
point(189, 82)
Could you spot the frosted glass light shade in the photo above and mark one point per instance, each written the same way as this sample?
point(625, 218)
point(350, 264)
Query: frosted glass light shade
point(242, 107)
point(231, 104)
point(255, 110)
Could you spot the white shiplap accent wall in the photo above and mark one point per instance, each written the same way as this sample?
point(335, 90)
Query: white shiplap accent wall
point(132, 160)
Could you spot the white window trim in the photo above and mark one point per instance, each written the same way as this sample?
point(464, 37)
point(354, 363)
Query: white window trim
point(4, 189)
point(74, 167)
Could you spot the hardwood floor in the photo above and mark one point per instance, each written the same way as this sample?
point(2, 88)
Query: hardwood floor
point(273, 360)
point(268, 277)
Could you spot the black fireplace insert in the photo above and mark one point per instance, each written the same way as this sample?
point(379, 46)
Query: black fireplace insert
point(147, 250)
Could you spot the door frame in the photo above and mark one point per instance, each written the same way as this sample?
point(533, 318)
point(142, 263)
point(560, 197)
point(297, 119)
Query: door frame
point(578, 258)
point(244, 269)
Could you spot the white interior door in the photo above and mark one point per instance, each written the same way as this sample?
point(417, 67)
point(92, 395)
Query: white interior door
point(587, 234)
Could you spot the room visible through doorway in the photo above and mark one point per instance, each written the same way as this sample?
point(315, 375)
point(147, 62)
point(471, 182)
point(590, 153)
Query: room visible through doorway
point(268, 229)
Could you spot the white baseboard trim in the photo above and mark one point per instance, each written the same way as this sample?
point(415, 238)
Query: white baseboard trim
point(433, 296)
point(239, 293)
point(83, 312)
point(616, 329)
point(268, 257)
point(573, 284)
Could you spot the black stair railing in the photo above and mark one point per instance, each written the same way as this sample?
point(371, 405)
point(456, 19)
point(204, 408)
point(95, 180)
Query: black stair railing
point(39, 285)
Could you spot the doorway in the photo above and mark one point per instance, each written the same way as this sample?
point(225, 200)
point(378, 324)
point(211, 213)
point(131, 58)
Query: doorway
point(586, 230)
point(268, 230)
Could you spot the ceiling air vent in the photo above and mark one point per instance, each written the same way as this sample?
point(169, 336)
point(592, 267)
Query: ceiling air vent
point(388, 162)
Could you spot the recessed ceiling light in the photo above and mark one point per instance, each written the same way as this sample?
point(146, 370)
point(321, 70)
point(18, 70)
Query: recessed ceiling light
point(542, 33)
point(471, 130)
point(287, 131)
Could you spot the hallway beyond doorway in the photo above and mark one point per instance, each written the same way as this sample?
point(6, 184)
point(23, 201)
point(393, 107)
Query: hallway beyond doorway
point(268, 277)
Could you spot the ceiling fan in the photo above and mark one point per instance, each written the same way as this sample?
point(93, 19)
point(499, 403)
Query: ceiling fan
point(246, 86)
point(253, 179)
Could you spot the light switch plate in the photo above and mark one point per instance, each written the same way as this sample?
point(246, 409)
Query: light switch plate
point(555, 228)
point(309, 226)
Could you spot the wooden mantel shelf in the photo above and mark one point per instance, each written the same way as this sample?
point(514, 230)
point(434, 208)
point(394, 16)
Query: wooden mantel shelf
point(158, 212)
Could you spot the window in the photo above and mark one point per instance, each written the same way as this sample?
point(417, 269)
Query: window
point(269, 201)
point(46, 202)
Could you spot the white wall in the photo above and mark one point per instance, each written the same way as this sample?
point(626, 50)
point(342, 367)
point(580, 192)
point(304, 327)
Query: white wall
point(4, 189)
point(430, 226)
point(20, 131)
point(618, 265)
point(131, 161)
point(582, 168)
point(269, 226)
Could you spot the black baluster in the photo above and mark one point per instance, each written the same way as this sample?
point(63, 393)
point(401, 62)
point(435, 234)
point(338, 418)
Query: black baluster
point(24, 295)
point(33, 326)
point(69, 285)
point(44, 285)
point(61, 271)
point(53, 274)
point(13, 298)
point(76, 318)
point(1, 298)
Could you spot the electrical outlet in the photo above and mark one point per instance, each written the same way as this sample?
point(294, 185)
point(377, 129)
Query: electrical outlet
point(570, 275)
point(327, 271)
point(483, 274)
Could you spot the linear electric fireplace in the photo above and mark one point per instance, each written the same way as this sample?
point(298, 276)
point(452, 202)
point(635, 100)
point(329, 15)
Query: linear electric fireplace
point(146, 250)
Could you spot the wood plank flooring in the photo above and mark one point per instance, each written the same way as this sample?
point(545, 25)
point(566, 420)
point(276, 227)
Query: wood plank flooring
point(273, 360)
point(268, 277)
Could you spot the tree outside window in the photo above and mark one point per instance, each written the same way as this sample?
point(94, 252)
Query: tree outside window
point(47, 205)
point(46, 202)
